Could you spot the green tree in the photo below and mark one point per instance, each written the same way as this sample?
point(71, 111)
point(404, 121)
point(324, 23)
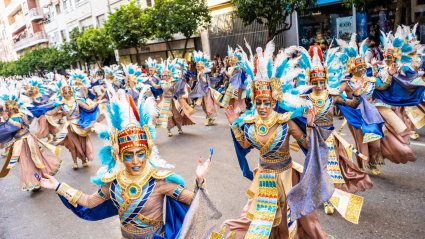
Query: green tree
point(72, 46)
point(96, 43)
point(169, 17)
point(273, 14)
point(127, 27)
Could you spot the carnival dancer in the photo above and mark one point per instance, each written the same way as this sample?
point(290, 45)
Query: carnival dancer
point(364, 121)
point(203, 90)
point(234, 84)
point(174, 110)
point(115, 76)
point(136, 193)
point(47, 127)
point(277, 207)
point(133, 75)
point(25, 148)
point(80, 119)
point(345, 174)
point(81, 84)
point(154, 77)
point(396, 87)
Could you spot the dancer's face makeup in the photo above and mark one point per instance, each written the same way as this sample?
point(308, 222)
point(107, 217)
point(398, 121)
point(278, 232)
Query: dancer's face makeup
point(318, 86)
point(134, 160)
point(264, 106)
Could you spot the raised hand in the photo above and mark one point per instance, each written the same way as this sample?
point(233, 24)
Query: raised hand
point(49, 182)
point(311, 115)
point(374, 61)
point(202, 169)
point(231, 114)
point(359, 83)
point(392, 70)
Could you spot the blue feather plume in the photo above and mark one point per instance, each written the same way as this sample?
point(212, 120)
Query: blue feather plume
point(304, 62)
point(175, 178)
point(281, 69)
point(116, 119)
point(406, 48)
point(248, 70)
point(104, 135)
point(4, 97)
point(270, 68)
point(397, 42)
point(405, 59)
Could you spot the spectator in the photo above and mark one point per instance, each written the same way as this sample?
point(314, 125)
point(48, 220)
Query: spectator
point(373, 51)
point(144, 69)
point(324, 46)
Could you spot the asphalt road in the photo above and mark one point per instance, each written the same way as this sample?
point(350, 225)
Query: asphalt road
point(394, 208)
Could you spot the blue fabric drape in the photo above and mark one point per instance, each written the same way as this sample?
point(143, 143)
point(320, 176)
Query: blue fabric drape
point(370, 122)
point(315, 186)
point(175, 214)
point(7, 132)
point(405, 94)
point(237, 81)
point(104, 210)
point(88, 117)
point(37, 111)
point(241, 155)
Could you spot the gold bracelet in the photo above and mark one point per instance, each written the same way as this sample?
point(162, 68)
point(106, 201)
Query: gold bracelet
point(62, 189)
point(237, 131)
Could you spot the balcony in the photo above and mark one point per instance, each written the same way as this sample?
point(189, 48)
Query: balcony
point(36, 38)
point(17, 26)
point(12, 8)
point(44, 3)
point(36, 13)
point(50, 25)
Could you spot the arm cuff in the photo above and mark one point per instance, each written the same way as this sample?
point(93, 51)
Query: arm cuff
point(70, 194)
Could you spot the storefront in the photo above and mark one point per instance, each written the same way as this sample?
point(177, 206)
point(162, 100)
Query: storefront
point(330, 20)
point(160, 50)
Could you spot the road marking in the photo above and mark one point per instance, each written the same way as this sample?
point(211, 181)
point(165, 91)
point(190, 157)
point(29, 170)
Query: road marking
point(415, 143)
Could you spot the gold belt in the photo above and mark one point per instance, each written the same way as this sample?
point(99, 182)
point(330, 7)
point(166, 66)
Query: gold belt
point(289, 166)
point(150, 221)
point(141, 231)
point(282, 157)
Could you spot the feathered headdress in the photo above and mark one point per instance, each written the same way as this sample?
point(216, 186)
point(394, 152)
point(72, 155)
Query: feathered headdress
point(113, 73)
point(36, 85)
point(350, 58)
point(11, 98)
point(397, 47)
point(151, 63)
point(235, 55)
point(78, 77)
point(266, 79)
point(60, 86)
point(132, 73)
point(128, 126)
point(201, 58)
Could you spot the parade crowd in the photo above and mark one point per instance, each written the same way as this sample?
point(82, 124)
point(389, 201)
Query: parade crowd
point(268, 95)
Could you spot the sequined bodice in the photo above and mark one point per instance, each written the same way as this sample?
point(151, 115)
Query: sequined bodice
point(168, 88)
point(324, 114)
point(128, 208)
point(72, 112)
point(270, 158)
point(367, 92)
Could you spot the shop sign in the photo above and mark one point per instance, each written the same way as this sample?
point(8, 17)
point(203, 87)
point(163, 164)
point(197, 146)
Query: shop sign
point(344, 27)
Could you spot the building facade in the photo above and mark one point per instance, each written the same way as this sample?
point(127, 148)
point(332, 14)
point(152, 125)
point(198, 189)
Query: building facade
point(21, 27)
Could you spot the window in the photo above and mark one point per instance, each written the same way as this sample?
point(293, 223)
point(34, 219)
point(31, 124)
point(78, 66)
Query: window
point(86, 23)
point(58, 9)
point(100, 20)
point(63, 35)
point(64, 4)
point(57, 37)
point(149, 3)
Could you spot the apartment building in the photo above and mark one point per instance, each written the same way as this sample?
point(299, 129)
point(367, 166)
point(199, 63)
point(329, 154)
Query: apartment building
point(21, 27)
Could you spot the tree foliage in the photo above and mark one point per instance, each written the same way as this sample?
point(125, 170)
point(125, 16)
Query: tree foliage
point(96, 43)
point(127, 27)
point(273, 14)
point(169, 17)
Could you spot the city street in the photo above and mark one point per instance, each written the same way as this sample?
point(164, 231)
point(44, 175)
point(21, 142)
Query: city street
point(394, 208)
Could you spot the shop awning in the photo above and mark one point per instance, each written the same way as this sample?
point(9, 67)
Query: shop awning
point(321, 2)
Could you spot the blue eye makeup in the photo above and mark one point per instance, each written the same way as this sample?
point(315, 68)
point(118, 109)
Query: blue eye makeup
point(128, 157)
